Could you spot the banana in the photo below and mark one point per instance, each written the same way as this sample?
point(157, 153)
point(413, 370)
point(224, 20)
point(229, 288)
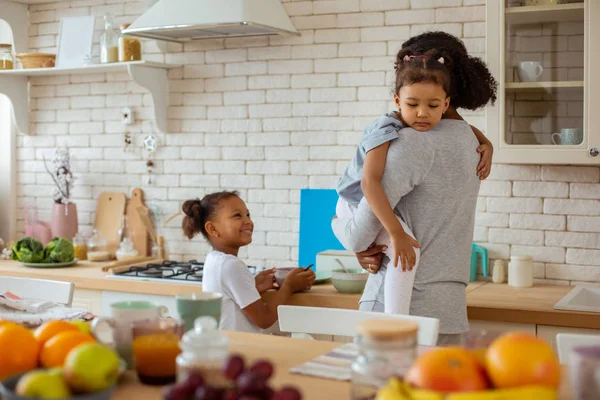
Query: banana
point(398, 390)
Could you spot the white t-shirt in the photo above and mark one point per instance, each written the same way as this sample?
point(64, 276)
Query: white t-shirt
point(227, 274)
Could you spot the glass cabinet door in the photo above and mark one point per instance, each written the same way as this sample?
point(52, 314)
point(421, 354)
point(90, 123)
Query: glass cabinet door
point(544, 72)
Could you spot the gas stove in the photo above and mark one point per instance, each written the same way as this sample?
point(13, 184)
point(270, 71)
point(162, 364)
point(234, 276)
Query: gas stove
point(170, 271)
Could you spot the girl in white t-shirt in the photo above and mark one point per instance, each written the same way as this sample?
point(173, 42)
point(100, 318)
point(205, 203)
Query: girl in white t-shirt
point(224, 220)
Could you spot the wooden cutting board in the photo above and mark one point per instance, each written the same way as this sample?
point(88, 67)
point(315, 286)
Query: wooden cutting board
point(109, 217)
point(135, 227)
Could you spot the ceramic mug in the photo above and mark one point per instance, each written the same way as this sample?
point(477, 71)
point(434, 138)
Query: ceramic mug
point(570, 136)
point(123, 314)
point(529, 71)
point(191, 305)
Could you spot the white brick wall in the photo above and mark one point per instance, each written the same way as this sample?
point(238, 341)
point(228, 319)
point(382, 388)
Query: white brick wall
point(269, 116)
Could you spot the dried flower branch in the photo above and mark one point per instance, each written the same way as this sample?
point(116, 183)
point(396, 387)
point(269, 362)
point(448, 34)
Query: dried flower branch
point(62, 176)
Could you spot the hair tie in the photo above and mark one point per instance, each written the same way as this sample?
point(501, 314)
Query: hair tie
point(441, 60)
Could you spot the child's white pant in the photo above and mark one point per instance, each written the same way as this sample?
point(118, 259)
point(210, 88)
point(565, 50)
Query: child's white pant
point(398, 283)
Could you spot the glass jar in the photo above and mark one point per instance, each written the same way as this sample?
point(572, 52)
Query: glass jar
point(97, 247)
point(109, 42)
point(130, 48)
point(80, 247)
point(204, 351)
point(386, 349)
point(6, 57)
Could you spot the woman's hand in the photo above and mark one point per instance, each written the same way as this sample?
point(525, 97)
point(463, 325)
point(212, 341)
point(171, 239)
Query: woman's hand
point(265, 280)
point(485, 164)
point(370, 259)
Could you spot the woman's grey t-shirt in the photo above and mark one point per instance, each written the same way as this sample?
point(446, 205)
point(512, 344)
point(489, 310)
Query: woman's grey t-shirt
point(431, 178)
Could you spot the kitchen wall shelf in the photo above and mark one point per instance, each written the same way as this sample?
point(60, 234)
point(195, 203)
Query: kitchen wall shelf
point(539, 14)
point(150, 75)
point(516, 86)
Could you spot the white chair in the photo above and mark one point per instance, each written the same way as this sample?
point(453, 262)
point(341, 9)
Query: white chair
point(39, 289)
point(335, 321)
point(566, 342)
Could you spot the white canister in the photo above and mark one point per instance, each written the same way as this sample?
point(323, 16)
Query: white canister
point(520, 271)
point(498, 273)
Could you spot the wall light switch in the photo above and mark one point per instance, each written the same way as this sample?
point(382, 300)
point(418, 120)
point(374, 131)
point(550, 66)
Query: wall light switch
point(127, 117)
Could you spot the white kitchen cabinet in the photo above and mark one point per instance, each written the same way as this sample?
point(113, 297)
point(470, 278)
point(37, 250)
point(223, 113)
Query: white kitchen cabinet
point(549, 332)
point(528, 116)
point(500, 327)
point(89, 300)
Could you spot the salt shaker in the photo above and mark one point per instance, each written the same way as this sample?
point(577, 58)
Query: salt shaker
point(498, 274)
point(520, 271)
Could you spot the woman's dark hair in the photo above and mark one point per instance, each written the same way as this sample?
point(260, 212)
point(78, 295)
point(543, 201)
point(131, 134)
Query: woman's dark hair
point(429, 67)
point(472, 86)
point(197, 212)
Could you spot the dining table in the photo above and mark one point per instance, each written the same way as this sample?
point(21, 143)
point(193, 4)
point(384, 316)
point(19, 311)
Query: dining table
point(284, 353)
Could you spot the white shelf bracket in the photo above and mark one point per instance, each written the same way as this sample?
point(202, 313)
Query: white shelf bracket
point(15, 88)
point(16, 16)
point(155, 80)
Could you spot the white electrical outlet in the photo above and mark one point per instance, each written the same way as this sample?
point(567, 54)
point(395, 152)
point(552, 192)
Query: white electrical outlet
point(127, 116)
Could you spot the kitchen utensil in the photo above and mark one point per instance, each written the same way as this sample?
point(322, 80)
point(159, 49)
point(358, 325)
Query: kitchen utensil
point(39, 230)
point(350, 281)
point(568, 136)
point(337, 260)
point(310, 266)
point(172, 217)
point(109, 218)
point(529, 71)
point(520, 271)
point(136, 230)
point(128, 263)
point(475, 252)
point(37, 60)
point(191, 305)
point(122, 315)
point(50, 265)
point(145, 218)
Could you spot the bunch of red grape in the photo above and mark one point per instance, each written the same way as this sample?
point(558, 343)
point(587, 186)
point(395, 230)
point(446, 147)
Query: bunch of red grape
point(247, 384)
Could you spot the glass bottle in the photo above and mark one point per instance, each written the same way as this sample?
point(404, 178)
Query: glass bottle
point(204, 351)
point(386, 349)
point(6, 57)
point(80, 247)
point(109, 42)
point(130, 48)
point(98, 247)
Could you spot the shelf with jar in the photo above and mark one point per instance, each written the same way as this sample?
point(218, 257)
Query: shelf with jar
point(541, 53)
point(118, 53)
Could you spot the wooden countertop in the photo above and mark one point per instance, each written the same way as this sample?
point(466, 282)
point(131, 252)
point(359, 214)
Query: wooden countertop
point(486, 301)
point(285, 353)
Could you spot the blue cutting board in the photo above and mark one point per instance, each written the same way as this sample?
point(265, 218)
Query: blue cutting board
point(317, 208)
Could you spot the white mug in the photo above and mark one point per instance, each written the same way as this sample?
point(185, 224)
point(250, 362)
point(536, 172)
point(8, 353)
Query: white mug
point(520, 271)
point(123, 314)
point(529, 71)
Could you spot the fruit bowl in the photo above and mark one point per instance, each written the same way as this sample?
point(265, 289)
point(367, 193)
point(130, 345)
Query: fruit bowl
point(7, 391)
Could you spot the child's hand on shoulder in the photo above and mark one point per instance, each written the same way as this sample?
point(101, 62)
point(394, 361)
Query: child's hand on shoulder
point(265, 280)
point(485, 163)
point(299, 279)
point(404, 252)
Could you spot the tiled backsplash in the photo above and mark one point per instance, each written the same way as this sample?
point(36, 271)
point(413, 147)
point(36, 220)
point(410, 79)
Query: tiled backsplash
point(268, 116)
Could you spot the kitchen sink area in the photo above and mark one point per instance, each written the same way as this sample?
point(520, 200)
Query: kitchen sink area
point(581, 298)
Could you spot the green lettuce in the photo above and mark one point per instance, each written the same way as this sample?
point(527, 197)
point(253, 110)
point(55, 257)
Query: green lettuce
point(59, 250)
point(28, 250)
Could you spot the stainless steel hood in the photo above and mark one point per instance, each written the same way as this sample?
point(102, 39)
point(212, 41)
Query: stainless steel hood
point(187, 20)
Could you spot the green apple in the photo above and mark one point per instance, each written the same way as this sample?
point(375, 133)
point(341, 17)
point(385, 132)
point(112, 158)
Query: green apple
point(83, 326)
point(91, 367)
point(43, 384)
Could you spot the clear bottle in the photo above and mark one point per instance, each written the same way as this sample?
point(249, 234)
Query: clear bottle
point(130, 48)
point(80, 247)
point(109, 42)
point(204, 350)
point(386, 349)
point(6, 57)
point(98, 247)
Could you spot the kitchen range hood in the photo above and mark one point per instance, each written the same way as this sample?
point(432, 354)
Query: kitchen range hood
point(187, 20)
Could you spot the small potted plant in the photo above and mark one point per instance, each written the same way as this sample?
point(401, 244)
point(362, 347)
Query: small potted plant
point(64, 211)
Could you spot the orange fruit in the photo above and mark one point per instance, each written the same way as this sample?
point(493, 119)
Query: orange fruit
point(4, 322)
point(447, 369)
point(518, 359)
point(18, 348)
point(49, 329)
point(55, 350)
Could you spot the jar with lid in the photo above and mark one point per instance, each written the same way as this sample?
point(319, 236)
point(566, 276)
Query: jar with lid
point(80, 247)
point(130, 48)
point(204, 350)
point(109, 42)
point(6, 57)
point(386, 349)
point(97, 247)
